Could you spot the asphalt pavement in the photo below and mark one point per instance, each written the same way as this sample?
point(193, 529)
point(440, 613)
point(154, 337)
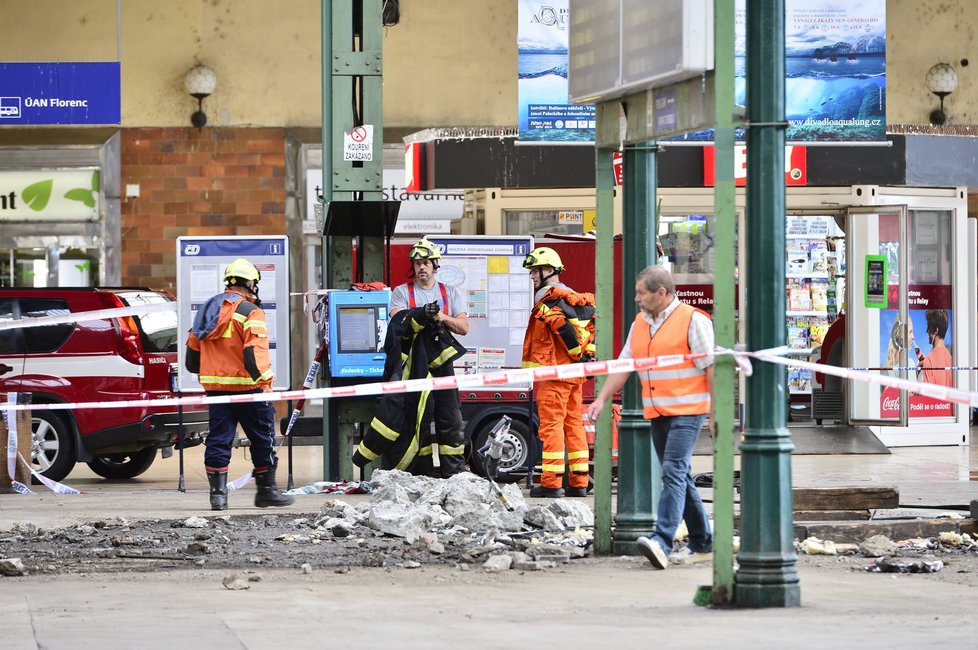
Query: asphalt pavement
point(601, 602)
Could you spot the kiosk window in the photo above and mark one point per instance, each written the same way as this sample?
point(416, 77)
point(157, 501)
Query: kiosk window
point(357, 329)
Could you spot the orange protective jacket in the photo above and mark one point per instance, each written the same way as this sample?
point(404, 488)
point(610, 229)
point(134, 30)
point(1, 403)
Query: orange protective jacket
point(228, 345)
point(679, 389)
point(561, 328)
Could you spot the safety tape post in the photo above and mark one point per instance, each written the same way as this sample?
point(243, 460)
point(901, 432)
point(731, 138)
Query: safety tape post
point(10, 419)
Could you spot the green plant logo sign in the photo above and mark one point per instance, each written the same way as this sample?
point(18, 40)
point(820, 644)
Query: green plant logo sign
point(50, 195)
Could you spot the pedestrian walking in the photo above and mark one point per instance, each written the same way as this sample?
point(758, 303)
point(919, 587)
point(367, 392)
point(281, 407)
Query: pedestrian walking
point(676, 400)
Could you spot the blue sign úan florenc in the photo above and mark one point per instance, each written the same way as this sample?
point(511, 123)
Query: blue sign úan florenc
point(60, 93)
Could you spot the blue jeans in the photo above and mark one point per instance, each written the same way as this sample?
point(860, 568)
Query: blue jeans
point(674, 438)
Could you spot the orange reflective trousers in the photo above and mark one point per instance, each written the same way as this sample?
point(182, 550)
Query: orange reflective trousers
point(560, 409)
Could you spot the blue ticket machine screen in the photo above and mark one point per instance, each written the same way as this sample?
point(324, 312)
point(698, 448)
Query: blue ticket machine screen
point(357, 329)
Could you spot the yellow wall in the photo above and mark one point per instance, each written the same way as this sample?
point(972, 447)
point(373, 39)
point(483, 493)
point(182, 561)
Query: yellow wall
point(919, 34)
point(448, 63)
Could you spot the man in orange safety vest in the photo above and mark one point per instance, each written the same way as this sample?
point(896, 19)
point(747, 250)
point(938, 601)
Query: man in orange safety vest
point(676, 400)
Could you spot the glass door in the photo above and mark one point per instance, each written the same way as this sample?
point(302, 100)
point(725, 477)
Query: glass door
point(50, 266)
point(879, 331)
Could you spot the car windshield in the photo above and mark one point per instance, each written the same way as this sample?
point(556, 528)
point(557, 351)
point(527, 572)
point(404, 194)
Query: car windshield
point(158, 329)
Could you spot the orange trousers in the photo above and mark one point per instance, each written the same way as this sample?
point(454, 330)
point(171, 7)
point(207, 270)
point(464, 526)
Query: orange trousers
point(560, 409)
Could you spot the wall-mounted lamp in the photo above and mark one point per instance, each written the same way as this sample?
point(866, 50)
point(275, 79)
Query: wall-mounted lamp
point(942, 80)
point(200, 82)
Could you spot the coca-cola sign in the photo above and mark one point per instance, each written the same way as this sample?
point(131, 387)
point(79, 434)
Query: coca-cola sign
point(920, 406)
point(890, 406)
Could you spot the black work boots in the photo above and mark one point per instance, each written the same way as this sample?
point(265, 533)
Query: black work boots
point(538, 492)
point(219, 490)
point(268, 493)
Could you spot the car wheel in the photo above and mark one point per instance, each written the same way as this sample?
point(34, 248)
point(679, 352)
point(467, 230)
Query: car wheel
point(123, 466)
point(515, 455)
point(52, 445)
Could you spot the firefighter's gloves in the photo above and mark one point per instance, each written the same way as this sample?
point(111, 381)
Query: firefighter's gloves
point(587, 357)
point(431, 311)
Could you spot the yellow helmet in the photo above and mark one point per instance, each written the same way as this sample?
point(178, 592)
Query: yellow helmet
point(241, 268)
point(543, 257)
point(424, 250)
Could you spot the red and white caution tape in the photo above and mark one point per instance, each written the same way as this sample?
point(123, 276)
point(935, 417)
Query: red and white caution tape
point(81, 316)
point(935, 391)
point(519, 376)
point(493, 378)
point(54, 486)
point(12, 454)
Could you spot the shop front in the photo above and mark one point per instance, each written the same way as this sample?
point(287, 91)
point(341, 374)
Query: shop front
point(59, 213)
point(880, 270)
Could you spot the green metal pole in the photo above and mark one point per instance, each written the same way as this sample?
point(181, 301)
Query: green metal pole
point(724, 288)
point(604, 295)
point(327, 183)
point(638, 470)
point(767, 576)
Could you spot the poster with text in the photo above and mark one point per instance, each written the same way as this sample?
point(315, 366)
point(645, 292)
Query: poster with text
point(545, 113)
point(835, 70)
point(930, 358)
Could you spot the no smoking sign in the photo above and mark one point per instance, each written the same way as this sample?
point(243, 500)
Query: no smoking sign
point(358, 144)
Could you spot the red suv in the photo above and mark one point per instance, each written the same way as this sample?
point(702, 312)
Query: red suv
point(103, 360)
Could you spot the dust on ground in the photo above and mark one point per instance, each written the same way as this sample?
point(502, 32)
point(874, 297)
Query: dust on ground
point(409, 523)
point(248, 544)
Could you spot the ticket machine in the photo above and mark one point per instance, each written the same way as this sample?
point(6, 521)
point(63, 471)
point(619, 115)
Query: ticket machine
point(357, 329)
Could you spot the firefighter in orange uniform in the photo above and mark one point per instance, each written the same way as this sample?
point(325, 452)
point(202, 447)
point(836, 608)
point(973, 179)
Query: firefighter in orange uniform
point(228, 349)
point(560, 331)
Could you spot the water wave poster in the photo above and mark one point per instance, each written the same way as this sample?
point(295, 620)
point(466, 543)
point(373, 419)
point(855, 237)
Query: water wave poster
point(545, 113)
point(835, 70)
point(835, 59)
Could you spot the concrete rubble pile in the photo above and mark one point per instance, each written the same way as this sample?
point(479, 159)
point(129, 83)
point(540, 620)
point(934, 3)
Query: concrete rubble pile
point(467, 514)
point(407, 522)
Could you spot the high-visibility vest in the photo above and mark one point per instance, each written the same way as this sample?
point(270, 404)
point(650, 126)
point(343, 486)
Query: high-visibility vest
point(679, 389)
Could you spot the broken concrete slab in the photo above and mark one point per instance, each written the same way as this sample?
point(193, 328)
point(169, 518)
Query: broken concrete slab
point(855, 532)
point(878, 546)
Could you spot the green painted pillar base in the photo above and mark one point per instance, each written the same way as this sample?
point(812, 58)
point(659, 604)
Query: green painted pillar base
point(766, 583)
point(638, 482)
point(767, 575)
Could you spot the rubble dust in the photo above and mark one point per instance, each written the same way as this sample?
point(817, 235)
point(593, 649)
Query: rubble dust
point(409, 522)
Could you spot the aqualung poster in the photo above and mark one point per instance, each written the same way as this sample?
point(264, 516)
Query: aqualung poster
point(545, 113)
point(835, 67)
point(835, 70)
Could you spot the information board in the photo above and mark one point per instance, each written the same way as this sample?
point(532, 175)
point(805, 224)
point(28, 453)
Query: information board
point(498, 293)
point(201, 262)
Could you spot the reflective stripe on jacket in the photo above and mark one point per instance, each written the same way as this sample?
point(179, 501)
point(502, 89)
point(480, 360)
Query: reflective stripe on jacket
point(236, 339)
point(398, 434)
point(679, 389)
point(561, 328)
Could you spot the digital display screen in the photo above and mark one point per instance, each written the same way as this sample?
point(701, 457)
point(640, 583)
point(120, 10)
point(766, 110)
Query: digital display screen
point(876, 279)
point(358, 329)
